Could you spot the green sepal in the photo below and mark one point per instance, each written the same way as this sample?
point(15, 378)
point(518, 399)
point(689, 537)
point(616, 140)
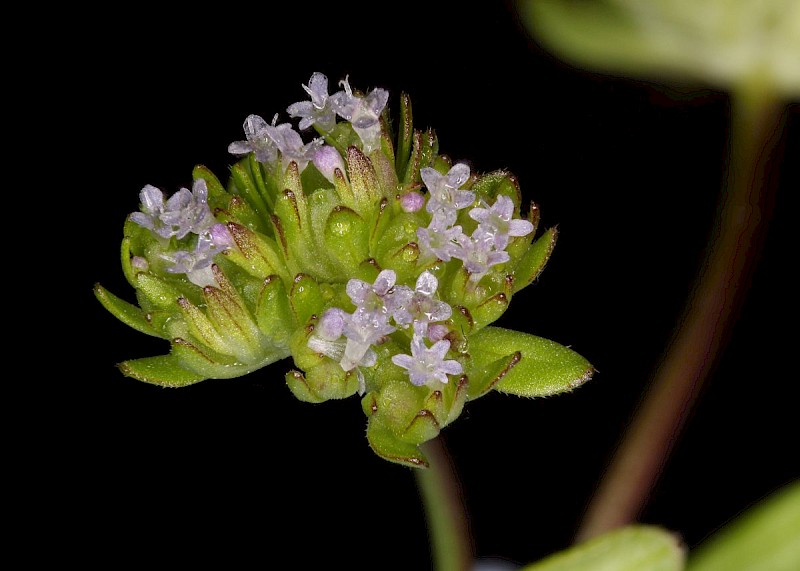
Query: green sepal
point(304, 357)
point(544, 368)
point(296, 382)
point(347, 238)
point(274, 315)
point(448, 403)
point(329, 381)
point(631, 548)
point(154, 292)
point(201, 328)
point(383, 166)
point(423, 427)
point(239, 211)
point(214, 365)
point(410, 176)
point(395, 233)
point(534, 260)
point(245, 186)
point(404, 263)
point(163, 370)
point(126, 258)
point(306, 298)
point(227, 312)
point(363, 181)
point(388, 446)
point(265, 186)
point(494, 184)
point(404, 137)
point(313, 180)
point(255, 253)
point(218, 197)
point(430, 149)
point(765, 537)
point(489, 310)
point(483, 378)
point(131, 315)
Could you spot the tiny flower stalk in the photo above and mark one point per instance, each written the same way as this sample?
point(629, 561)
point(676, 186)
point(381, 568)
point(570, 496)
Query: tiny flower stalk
point(373, 261)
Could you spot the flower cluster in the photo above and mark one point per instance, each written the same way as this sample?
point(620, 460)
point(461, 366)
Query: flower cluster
point(374, 262)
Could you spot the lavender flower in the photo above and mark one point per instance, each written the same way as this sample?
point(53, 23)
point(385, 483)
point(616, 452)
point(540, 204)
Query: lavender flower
point(498, 221)
point(318, 111)
point(443, 190)
point(196, 264)
point(291, 146)
point(184, 212)
point(363, 112)
point(478, 254)
point(440, 239)
point(422, 308)
point(258, 142)
point(427, 366)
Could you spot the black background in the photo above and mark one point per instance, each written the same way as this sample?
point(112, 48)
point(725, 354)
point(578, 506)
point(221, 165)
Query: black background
point(240, 471)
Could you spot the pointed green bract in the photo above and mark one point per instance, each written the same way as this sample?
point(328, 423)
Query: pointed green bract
point(128, 313)
point(164, 370)
point(545, 367)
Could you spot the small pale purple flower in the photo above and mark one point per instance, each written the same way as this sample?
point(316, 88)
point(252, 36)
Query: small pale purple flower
point(348, 339)
point(327, 159)
point(291, 145)
point(427, 366)
point(363, 112)
point(257, 141)
point(317, 111)
point(440, 239)
point(184, 212)
point(372, 298)
point(478, 254)
point(412, 201)
point(443, 189)
point(196, 264)
point(327, 336)
point(498, 221)
point(422, 308)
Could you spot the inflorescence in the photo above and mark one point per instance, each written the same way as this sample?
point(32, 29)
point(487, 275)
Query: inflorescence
point(372, 260)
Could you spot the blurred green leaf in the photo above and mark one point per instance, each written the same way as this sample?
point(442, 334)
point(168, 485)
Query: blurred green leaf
point(632, 548)
point(766, 537)
point(724, 43)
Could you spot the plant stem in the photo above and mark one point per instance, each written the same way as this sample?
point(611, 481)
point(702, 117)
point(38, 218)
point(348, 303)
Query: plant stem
point(756, 123)
point(448, 526)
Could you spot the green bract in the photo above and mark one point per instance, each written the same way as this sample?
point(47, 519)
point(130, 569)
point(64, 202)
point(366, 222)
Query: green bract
point(306, 259)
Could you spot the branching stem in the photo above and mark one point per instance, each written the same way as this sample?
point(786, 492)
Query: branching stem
point(756, 124)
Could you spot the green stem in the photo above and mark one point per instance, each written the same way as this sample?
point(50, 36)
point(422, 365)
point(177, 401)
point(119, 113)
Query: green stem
point(756, 125)
point(448, 526)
